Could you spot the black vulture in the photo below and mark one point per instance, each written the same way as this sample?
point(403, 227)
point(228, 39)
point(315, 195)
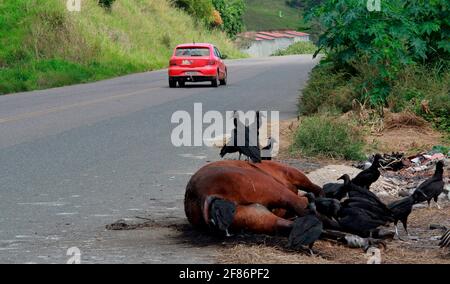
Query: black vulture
point(374, 209)
point(363, 212)
point(270, 143)
point(359, 221)
point(432, 187)
point(337, 190)
point(328, 207)
point(370, 175)
point(251, 151)
point(222, 214)
point(359, 192)
point(231, 147)
point(401, 209)
point(445, 240)
point(228, 149)
point(306, 230)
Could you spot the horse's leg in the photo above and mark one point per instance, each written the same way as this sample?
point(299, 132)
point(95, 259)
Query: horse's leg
point(286, 199)
point(280, 212)
point(258, 219)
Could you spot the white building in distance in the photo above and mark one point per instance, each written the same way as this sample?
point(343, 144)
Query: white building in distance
point(261, 44)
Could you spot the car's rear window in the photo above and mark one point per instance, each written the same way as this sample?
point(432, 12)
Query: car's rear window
point(192, 51)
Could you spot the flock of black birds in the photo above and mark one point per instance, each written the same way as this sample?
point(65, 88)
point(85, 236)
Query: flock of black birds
point(347, 207)
point(250, 146)
point(351, 207)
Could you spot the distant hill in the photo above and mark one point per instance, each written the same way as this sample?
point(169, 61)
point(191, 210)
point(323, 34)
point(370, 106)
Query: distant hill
point(42, 45)
point(265, 15)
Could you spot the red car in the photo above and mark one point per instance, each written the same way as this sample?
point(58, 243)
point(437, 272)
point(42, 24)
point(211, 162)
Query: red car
point(197, 62)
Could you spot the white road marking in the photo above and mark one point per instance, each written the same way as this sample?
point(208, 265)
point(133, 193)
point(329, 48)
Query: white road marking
point(67, 213)
point(51, 203)
point(197, 157)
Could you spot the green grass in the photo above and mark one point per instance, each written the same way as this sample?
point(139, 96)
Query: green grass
point(419, 84)
point(326, 136)
point(42, 45)
point(264, 15)
point(326, 88)
point(301, 47)
point(330, 87)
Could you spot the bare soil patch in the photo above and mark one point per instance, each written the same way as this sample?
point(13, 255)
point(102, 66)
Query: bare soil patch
point(408, 140)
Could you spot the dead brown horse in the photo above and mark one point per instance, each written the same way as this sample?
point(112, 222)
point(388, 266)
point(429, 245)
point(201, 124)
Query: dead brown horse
point(288, 176)
point(241, 196)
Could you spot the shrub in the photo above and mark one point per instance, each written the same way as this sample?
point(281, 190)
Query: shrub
point(327, 87)
point(301, 47)
point(218, 21)
point(294, 3)
point(404, 32)
point(202, 10)
point(107, 4)
point(327, 136)
point(231, 12)
point(305, 4)
point(424, 90)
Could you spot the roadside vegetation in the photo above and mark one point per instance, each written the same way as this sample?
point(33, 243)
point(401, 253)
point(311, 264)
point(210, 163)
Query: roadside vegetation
point(222, 14)
point(301, 47)
point(328, 136)
point(395, 60)
point(42, 45)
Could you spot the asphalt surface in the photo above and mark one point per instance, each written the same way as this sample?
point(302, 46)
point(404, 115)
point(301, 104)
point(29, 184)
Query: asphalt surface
point(75, 159)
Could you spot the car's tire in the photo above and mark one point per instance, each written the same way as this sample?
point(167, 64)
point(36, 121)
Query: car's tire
point(215, 81)
point(172, 83)
point(224, 82)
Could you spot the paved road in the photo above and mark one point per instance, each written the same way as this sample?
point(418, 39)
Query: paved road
point(75, 159)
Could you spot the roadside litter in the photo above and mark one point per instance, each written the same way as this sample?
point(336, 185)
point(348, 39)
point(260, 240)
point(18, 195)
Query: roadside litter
point(402, 174)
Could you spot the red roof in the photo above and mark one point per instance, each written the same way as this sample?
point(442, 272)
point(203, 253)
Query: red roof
point(274, 35)
point(261, 37)
point(296, 33)
point(283, 35)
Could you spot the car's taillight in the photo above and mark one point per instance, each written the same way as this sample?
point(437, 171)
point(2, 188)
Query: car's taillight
point(211, 62)
point(173, 62)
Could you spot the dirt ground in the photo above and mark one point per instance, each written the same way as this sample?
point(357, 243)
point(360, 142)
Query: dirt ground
point(408, 140)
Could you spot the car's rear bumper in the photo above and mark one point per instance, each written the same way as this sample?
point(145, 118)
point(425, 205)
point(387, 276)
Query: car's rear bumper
point(193, 78)
point(183, 72)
